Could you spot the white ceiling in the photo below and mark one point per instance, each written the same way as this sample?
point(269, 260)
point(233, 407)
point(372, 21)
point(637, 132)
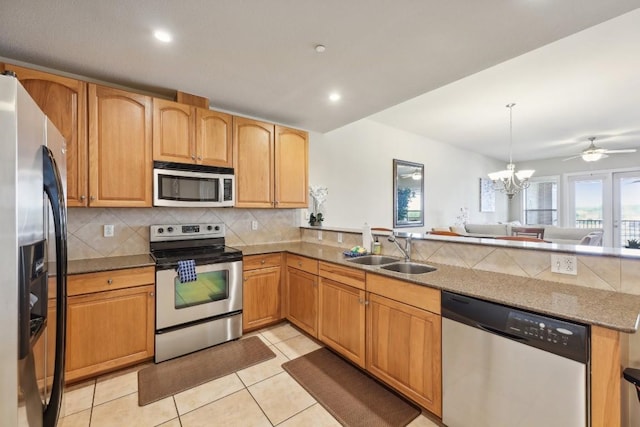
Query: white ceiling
point(257, 58)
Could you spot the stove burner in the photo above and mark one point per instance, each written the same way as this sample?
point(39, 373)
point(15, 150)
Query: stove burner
point(204, 243)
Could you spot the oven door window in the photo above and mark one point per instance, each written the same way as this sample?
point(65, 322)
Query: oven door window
point(188, 189)
point(209, 287)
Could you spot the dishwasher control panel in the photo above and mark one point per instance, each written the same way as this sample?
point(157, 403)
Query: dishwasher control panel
point(547, 333)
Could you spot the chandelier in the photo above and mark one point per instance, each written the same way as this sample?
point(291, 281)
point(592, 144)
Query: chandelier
point(509, 181)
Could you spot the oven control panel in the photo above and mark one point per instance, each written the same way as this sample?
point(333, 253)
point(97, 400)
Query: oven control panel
point(163, 232)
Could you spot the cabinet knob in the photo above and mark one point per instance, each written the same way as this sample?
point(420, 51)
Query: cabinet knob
point(110, 281)
point(299, 264)
point(151, 294)
point(199, 157)
point(262, 262)
point(83, 197)
point(92, 198)
point(193, 157)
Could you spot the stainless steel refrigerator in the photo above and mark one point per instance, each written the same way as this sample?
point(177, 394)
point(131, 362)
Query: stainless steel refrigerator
point(32, 248)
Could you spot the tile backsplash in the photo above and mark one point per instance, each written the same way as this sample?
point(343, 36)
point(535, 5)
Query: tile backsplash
point(131, 236)
point(609, 273)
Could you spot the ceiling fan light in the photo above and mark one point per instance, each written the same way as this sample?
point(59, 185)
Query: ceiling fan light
point(592, 157)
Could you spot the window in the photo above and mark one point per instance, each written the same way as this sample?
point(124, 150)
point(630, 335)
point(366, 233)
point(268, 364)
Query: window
point(541, 201)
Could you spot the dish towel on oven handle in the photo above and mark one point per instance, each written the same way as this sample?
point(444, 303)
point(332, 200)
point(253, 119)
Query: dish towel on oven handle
point(187, 271)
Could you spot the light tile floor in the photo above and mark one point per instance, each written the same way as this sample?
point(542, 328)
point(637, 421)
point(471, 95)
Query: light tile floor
point(261, 395)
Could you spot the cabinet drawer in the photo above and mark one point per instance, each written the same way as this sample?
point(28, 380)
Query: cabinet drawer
point(253, 262)
point(346, 275)
point(416, 295)
point(79, 284)
point(302, 263)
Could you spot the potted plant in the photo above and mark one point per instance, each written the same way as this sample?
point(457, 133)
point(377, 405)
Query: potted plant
point(633, 244)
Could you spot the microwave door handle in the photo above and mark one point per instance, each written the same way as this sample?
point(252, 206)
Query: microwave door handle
point(54, 189)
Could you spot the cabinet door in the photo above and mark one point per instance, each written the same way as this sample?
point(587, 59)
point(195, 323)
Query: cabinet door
point(404, 350)
point(120, 160)
point(173, 135)
point(64, 101)
point(341, 320)
point(213, 138)
point(302, 300)
point(261, 298)
point(110, 329)
point(291, 167)
point(253, 159)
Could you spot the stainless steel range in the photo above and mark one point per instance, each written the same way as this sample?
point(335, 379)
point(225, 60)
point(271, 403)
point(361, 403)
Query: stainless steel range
point(195, 312)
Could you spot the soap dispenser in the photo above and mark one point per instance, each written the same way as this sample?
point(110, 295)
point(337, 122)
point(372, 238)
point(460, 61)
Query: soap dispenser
point(366, 237)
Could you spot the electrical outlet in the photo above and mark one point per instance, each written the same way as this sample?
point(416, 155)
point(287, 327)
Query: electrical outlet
point(319, 234)
point(306, 215)
point(339, 237)
point(254, 225)
point(564, 264)
point(108, 230)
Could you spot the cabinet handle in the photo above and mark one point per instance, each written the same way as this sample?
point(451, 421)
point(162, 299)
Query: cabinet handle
point(110, 281)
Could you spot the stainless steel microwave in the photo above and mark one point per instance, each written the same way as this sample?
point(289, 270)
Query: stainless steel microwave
point(183, 185)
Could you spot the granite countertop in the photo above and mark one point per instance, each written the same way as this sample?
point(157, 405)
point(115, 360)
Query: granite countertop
point(93, 265)
point(614, 310)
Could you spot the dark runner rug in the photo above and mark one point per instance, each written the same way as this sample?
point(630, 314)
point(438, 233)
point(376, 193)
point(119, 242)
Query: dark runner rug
point(173, 376)
point(351, 396)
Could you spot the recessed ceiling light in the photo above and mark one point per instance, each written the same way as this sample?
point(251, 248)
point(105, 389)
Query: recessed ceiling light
point(320, 48)
point(334, 97)
point(163, 36)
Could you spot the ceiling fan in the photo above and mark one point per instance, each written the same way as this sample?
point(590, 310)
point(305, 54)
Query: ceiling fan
point(593, 153)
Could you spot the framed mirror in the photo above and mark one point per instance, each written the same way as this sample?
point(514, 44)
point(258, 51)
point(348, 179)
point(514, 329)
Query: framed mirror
point(408, 194)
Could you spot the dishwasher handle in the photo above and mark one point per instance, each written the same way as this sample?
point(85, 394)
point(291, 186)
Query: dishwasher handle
point(633, 376)
point(499, 332)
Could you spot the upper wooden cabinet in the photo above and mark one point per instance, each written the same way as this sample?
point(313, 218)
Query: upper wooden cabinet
point(271, 165)
point(64, 101)
point(292, 168)
point(187, 134)
point(120, 159)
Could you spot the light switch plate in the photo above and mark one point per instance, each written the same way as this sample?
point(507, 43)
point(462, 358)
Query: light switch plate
point(564, 264)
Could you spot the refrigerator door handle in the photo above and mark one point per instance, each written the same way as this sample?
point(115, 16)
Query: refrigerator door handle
point(53, 187)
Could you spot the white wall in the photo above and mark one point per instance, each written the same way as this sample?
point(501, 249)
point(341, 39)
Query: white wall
point(355, 162)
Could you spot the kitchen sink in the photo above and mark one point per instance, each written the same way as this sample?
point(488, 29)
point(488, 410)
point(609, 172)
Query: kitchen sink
point(374, 260)
point(409, 268)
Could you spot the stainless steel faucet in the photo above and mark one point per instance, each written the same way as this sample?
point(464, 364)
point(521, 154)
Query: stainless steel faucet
point(407, 246)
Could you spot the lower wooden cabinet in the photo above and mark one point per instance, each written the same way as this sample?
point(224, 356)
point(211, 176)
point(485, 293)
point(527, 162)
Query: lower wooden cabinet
point(342, 319)
point(261, 291)
point(109, 329)
point(341, 310)
point(404, 350)
point(302, 300)
point(302, 293)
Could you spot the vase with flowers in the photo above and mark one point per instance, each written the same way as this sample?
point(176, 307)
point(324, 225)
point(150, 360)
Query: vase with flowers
point(319, 195)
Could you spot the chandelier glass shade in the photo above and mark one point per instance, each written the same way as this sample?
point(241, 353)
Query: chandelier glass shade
point(508, 181)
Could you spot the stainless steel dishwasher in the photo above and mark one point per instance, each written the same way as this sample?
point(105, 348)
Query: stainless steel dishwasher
point(505, 367)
